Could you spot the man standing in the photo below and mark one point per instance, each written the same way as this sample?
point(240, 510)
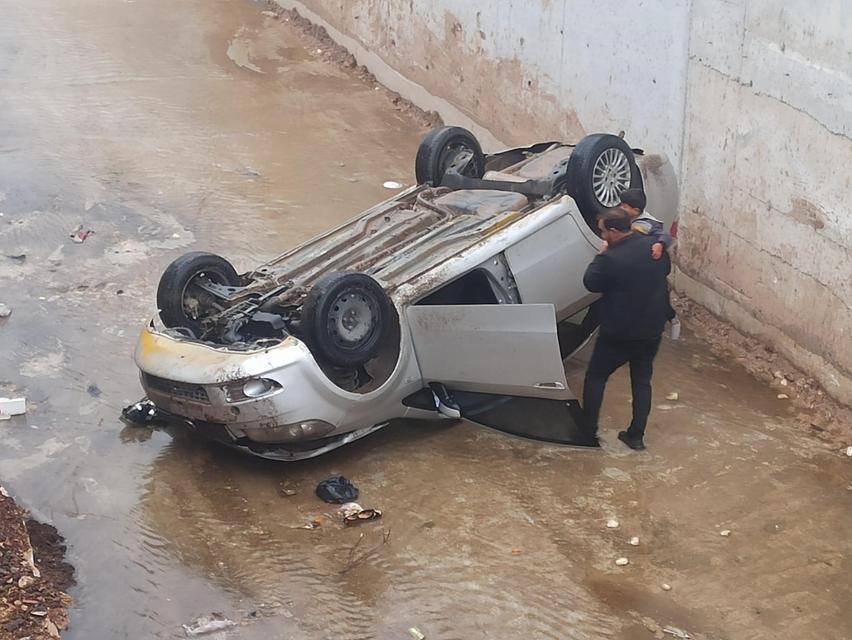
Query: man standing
point(633, 312)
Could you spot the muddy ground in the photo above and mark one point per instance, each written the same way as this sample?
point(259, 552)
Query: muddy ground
point(206, 124)
point(33, 602)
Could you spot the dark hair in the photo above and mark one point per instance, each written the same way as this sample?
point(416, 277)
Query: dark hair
point(616, 219)
point(634, 198)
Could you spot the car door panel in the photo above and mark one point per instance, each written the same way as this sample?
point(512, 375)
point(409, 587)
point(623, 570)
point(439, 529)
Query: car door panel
point(498, 349)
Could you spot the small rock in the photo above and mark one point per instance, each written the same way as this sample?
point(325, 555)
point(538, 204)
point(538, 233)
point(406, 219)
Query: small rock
point(51, 628)
point(666, 587)
point(612, 524)
point(725, 533)
point(285, 490)
point(622, 562)
point(783, 382)
point(40, 614)
point(5, 311)
point(634, 541)
point(849, 451)
point(25, 581)
point(672, 396)
point(94, 391)
point(782, 396)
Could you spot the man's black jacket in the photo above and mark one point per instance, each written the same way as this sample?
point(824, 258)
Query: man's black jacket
point(635, 304)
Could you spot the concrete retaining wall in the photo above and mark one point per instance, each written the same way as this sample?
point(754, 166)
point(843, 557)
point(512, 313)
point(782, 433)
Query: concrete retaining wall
point(752, 99)
point(766, 232)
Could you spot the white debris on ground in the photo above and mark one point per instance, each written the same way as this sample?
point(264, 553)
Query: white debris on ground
point(612, 524)
point(622, 562)
point(208, 624)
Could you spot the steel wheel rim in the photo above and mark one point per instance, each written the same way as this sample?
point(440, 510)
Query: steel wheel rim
point(610, 176)
point(352, 319)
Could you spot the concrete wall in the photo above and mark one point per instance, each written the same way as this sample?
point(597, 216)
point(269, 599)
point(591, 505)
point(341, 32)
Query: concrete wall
point(751, 99)
point(533, 69)
point(766, 222)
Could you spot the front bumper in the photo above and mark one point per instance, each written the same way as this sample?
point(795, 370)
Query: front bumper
point(198, 381)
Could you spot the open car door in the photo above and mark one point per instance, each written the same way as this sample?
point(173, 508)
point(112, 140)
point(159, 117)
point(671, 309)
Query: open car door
point(501, 366)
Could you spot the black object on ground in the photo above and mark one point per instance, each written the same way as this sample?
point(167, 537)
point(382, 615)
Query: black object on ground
point(143, 414)
point(337, 490)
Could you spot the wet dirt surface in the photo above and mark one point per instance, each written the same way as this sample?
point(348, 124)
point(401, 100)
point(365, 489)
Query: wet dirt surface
point(208, 125)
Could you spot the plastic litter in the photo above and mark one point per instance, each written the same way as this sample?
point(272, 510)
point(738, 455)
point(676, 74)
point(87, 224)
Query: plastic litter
point(80, 234)
point(672, 396)
point(392, 184)
point(143, 413)
point(725, 533)
point(337, 490)
point(364, 515)
point(675, 329)
point(12, 407)
point(415, 633)
point(782, 396)
point(208, 624)
point(677, 633)
point(350, 509)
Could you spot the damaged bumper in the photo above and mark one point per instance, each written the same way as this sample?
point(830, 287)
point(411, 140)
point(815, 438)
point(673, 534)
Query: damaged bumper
point(237, 396)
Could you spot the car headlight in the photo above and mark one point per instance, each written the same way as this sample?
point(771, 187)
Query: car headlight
point(250, 389)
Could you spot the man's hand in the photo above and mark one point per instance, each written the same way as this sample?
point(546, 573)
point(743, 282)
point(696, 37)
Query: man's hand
point(604, 246)
point(657, 250)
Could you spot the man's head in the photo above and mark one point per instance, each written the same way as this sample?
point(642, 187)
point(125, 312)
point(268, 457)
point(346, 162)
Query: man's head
point(614, 225)
point(633, 202)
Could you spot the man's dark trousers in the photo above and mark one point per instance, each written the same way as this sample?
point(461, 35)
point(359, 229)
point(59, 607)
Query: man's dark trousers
point(609, 355)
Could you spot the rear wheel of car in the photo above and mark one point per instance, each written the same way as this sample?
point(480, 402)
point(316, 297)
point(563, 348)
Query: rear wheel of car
point(440, 147)
point(346, 318)
point(181, 301)
point(599, 169)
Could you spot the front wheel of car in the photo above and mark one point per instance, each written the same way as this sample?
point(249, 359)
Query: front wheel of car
point(346, 318)
point(600, 168)
point(443, 146)
point(182, 302)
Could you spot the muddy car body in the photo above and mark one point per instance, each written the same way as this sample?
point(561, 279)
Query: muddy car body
point(457, 297)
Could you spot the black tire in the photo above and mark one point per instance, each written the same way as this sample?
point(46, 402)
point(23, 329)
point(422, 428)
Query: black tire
point(438, 150)
point(324, 315)
point(177, 279)
point(581, 174)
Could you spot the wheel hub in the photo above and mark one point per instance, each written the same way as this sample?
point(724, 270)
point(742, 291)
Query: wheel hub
point(351, 318)
point(610, 176)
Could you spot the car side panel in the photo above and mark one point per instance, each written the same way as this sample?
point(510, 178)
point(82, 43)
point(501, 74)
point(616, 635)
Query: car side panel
point(548, 266)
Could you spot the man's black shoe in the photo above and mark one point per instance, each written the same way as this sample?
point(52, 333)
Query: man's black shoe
point(634, 443)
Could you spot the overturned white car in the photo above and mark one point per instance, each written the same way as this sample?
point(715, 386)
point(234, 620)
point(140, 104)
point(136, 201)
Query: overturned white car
point(459, 297)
